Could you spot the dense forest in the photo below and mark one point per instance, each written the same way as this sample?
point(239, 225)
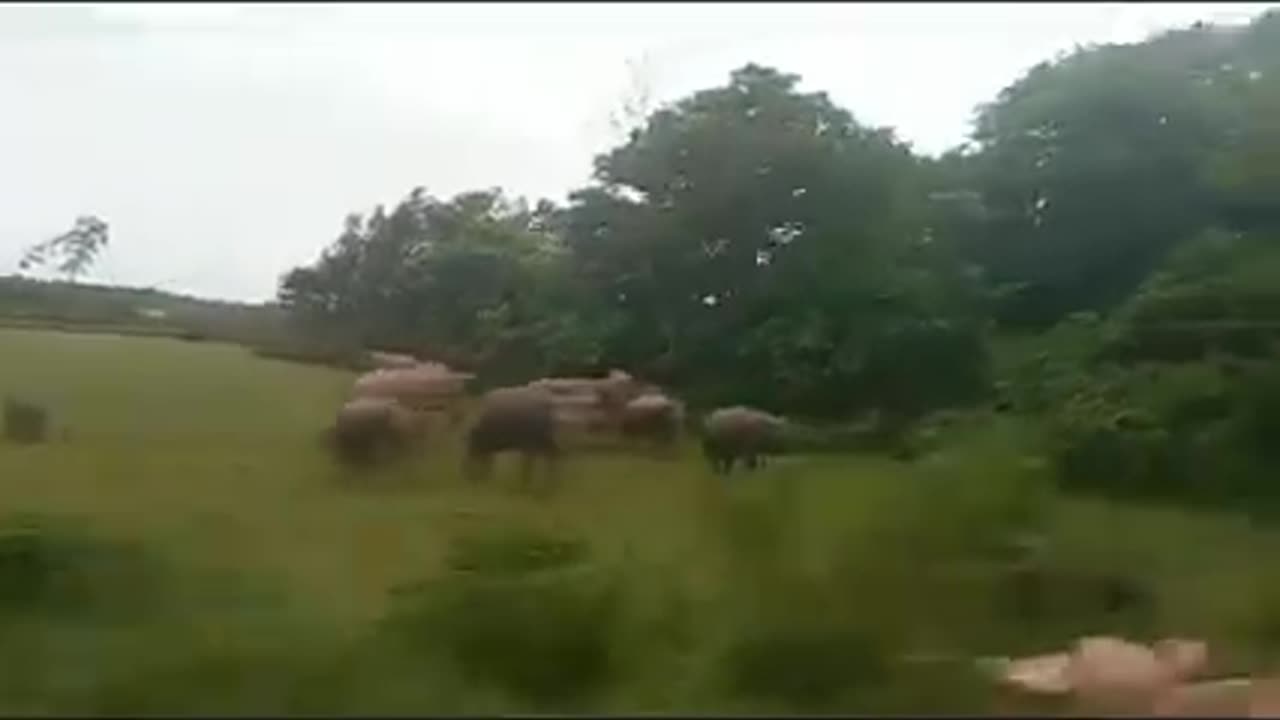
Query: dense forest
point(1101, 252)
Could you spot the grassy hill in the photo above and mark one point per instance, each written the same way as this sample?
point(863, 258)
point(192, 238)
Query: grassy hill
point(26, 302)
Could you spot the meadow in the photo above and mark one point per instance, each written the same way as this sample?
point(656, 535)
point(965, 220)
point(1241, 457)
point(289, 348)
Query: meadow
point(188, 546)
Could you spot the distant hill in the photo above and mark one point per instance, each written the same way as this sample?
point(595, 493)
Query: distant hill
point(82, 306)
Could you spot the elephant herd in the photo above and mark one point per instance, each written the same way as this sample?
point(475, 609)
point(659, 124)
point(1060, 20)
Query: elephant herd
point(393, 406)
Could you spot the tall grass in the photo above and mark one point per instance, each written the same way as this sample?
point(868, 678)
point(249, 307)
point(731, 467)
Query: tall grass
point(203, 554)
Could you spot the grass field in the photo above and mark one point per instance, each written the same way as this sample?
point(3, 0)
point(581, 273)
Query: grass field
point(197, 551)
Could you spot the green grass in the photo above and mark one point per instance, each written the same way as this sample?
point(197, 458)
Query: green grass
point(273, 581)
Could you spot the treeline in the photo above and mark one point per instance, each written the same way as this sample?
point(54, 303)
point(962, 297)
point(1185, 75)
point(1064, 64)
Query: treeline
point(755, 243)
point(45, 304)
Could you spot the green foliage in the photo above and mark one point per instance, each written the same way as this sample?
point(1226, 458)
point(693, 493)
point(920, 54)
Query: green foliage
point(749, 239)
point(458, 280)
point(1259, 418)
point(1216, 295)
point(24, 422)
point(783, 255)
point(755, 243)
point(1101, 443)
point(1187, 433)
point(1039, 374)
point(1091, 168)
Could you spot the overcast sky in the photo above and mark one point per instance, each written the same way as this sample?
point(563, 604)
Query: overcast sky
point(224, 144)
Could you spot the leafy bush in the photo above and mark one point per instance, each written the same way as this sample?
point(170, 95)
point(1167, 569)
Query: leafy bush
point(1193, 432)
point(898, 364)
point(1038, 376)
point(1101, 443)
point(1217, 293)
point(25, 422)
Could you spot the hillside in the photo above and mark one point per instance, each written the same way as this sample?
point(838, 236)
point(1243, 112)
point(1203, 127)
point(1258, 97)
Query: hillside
point(26, 302)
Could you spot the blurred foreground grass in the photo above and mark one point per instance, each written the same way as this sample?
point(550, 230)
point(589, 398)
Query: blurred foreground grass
point(189, 548)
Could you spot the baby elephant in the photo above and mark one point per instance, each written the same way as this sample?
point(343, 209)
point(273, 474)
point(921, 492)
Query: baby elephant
point(653, 416)
point(741, 432)
point(514, 418)
point(368, 428)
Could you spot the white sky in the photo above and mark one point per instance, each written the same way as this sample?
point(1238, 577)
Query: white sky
point(225, 144)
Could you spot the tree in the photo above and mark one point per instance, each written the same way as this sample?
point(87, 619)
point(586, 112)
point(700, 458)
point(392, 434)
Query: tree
point(756, 242)
point(457, 278)
point(1246, 172)
point(1091, 168)
point(75, 250)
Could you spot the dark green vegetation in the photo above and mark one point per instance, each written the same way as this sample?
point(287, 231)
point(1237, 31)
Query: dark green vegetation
point(1042, 370)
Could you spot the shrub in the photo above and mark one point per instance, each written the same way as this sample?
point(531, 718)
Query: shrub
point(1189, 432)
point(1109, 447)
point(1215, 293)
point(25, 422)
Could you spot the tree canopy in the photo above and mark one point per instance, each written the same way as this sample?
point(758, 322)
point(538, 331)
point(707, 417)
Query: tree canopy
point(754, 242)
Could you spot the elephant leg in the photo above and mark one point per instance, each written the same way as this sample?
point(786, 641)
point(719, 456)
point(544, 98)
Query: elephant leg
point(526, 471)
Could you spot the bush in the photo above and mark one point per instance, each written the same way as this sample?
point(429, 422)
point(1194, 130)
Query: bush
point(1103, 445)
point(1194, 432)
point(24, 422)
point(1216, 293)
point(897, 363)
point(521, 611)
point(1039, 376)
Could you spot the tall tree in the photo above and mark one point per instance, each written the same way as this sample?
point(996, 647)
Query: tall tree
point(452, 277)
point(1092, 167)
point(749, 238)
